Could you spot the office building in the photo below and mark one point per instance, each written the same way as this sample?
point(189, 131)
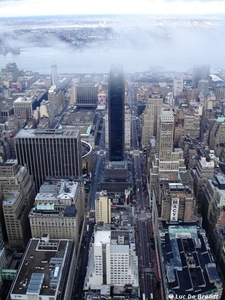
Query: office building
point(166, 130)
point(58, 210)
point(187, 123)
point(23, 106)
point(9, 74)
point(50, 152)
point(218, 248)
point(56, 96)
point(151, 117)
point(49, 110)
point(169, 161)
point(127, 136)
point(203, 87)
point(178, 202)
point(3, 261)
point(85, 94)
point(217, 136)
point(18, 191)
point(46, 271)
point(116, 114)
point(54, 74)
point(112, 260)
point(205, 170)
point(17, 227)
point(188, 270)
point(200, 72)
point(213, 203)
point(178, 85)
point(103, 208)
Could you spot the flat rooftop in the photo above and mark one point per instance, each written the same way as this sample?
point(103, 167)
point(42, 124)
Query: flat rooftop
point(41, 268)
point(189, 265)
point(40, 133)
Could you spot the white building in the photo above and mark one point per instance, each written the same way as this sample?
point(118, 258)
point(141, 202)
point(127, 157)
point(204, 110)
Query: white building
point(54, 74)
point(178, 85)
point(112, 260)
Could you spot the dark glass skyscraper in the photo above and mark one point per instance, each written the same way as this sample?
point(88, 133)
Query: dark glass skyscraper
point(116, 94)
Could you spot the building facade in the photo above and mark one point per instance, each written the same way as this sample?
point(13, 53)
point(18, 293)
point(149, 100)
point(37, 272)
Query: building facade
point(18, 191)
point(116, 114)
point(54, 74)
point(103, 208)
point(151, 117)
point(50, 152)
point(112, 260)
point(58, 210)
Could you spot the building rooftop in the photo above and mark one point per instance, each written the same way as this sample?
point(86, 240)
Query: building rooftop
point(40, 133)
point(25, 99)
point(41, 269)
point(102, 237)
point(189, 265)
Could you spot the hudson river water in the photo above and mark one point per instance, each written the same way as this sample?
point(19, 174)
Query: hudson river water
point(87, 61)
point(171, 57)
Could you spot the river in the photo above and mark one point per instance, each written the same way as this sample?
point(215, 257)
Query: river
point(171, 57)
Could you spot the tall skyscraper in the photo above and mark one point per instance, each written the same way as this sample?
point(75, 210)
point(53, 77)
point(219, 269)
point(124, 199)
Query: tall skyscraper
point(49, 152)
point(166, 134)
point(178, 85)
point(116, 111)
point(54, 74)
point(200, 72)
point(151, 118)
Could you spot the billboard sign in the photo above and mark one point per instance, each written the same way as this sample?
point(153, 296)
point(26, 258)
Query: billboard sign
point(101, 101)
point(174, 209)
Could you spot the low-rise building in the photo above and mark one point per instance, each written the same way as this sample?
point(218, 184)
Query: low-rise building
point(188, 270)
point(46, 271)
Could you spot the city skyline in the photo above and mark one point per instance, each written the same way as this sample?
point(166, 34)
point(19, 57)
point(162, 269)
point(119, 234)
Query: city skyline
point(22, 8)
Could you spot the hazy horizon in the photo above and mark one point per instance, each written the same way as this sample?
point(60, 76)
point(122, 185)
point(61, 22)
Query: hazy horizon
point(18, 8)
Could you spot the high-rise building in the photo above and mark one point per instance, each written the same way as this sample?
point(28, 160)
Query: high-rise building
point(203, 87)
point(18, 189)
point(200, 72)
point(116, 114)
point(103, 208)
point(54, 74)
point(49, 152)
point(85, 94)
point(178, 203)
point(178, 85)
point(150, 126)
point(166, 130)
point(127, 121)
point(217, 136)
point(204, 172)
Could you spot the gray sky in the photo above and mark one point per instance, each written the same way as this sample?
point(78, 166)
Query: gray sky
point(71, 7)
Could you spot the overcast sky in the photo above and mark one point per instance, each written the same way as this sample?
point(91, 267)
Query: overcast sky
point(73, 7)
